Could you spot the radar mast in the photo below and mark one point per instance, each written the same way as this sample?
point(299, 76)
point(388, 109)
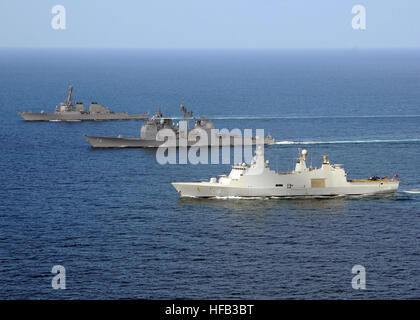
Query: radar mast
point(185, 112)
point(69, 97)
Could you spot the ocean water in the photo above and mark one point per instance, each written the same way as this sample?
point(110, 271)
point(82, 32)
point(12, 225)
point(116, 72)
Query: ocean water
point(113, 220)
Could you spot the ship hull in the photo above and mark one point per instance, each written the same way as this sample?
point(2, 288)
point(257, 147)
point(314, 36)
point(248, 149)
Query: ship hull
point(77, 116)
point(216, 190)
point(117, 142)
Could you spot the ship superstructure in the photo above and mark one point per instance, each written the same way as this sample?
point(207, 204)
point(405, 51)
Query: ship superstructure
point(258, 180)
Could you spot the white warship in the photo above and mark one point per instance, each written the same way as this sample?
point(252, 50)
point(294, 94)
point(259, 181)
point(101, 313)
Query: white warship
point(67, 111)
point(151, 135)
point(258, 180)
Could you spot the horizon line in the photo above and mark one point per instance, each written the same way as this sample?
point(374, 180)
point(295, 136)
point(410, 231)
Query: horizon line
point(209, 48)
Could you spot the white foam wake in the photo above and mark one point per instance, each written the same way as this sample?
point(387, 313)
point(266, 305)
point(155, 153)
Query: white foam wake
point(414, 191)
point(271, 117)
point(350, 141)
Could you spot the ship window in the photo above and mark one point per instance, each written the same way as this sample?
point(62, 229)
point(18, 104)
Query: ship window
point(289, 185)
point(279, 185)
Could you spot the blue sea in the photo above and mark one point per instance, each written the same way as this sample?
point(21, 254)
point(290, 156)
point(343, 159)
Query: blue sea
point(113, 220)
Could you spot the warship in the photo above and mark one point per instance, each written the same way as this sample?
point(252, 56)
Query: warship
point(152, 135)
point(67, 111)
point(258, 180)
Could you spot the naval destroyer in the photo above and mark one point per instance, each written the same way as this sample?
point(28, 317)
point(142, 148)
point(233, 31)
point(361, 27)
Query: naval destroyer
point(67, 111)
point(151, 135)
point(258, 180)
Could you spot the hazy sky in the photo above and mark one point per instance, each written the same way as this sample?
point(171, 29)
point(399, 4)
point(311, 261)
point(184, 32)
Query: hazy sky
point(210, 24)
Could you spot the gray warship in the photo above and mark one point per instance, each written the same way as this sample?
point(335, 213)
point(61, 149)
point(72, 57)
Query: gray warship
point(67, 111)
point(151, 135)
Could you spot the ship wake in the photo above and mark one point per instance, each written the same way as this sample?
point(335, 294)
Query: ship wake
point(286, 142)
point(314, 117)
point(413, 191)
